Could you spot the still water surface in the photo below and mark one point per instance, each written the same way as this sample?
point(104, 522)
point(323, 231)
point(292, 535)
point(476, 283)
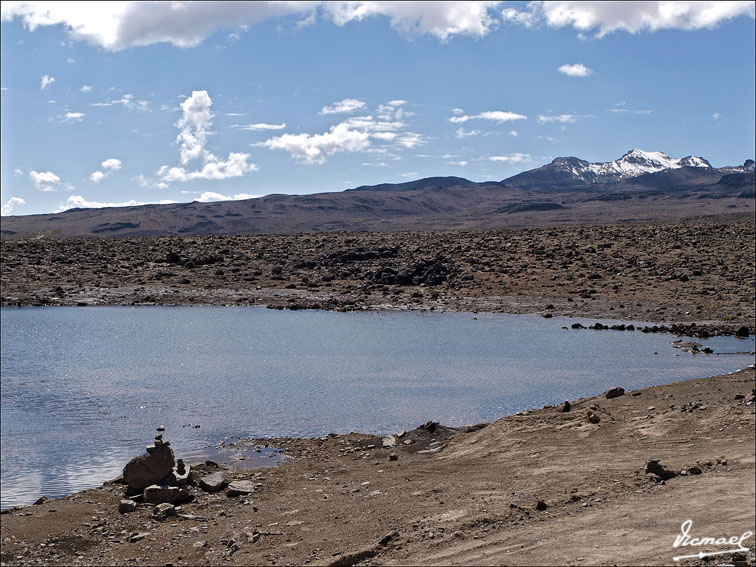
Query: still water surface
point(83, 389)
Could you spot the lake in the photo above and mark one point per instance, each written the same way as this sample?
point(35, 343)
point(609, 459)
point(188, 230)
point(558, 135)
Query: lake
point(83, 389)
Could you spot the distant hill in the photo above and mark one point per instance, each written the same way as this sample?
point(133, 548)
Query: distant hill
point(639, 186)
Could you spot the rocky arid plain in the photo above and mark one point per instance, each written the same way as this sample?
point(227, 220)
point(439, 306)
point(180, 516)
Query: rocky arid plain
point(611, 481)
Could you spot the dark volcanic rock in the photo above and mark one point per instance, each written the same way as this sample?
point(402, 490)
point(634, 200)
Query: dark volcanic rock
point(149, 468)
point(615, 392)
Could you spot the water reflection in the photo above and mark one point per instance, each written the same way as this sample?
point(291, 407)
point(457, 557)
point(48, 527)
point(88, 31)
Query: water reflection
point(84, 389)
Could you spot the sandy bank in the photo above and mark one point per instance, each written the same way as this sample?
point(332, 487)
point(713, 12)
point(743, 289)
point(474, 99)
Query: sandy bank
point(473, 501)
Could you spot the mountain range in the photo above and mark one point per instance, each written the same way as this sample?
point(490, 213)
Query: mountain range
point(639, 186)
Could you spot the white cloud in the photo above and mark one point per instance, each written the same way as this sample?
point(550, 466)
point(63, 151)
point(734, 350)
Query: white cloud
point(512, 158)
point(70, 60)
point(629, 111)
point(73, 117)
point(715, 116)
point(195, 124)
point(119, 25)
point(210, 196)
point(462, 163)
point(18, 171)
point(513, 133)
point(127, 101)
point(12, 203)
point(575, 70)
point(354, 134)
point(398, 102)
point(44, 181)
point(96, 176)
point(78, 201)
point(346, 106)
point(313, 148)
point(86, 88)
point(235, 166)
point(46, 81)
point(410, 140)
point(633, 17)
point(561, 119)
point(441, 19)
point(499, 116)
point(112, 164)
point(263, 126)
point(462, 133)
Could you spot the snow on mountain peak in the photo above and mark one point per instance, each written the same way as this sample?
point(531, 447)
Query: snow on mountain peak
point(638, 162)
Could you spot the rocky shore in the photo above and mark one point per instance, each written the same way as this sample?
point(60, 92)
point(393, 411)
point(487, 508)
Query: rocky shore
point(683, 272)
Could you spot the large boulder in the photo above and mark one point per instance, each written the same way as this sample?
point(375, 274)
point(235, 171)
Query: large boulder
point(149, 468)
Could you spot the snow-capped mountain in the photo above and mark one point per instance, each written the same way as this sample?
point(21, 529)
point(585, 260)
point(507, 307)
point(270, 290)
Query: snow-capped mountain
point(573, 171)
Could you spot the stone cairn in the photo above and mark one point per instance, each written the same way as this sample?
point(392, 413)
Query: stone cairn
point(156, 478)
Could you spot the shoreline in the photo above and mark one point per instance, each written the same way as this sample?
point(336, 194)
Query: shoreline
point(439, 517)
point(678, 272)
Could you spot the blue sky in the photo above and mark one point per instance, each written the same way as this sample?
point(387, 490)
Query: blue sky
point(124, 103)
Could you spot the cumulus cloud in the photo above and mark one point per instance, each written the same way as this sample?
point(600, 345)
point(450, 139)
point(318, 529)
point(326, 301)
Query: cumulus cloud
point(78, 201)
point(263, 126)
point(119, 25)
point(346, 106)
point(633, 17)
point(110, 165)
point(96, 176)
point(440, 19)
point(513, 133)
point(45, 180)
point(211, 196)
point(12, 203)
point(354, 134)
point(46, 81)
point(575, 70)
point(313, 148)
point(195, 123)
point(499, 116)
point(512, 158)
point(235, 166)
point(86, 88)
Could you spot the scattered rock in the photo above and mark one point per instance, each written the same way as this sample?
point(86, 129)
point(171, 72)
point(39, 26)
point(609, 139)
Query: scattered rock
point(393, 457)
point(615, 392)
point(742, 332)
point(541, 506)
point(137, 536)
point(655, 467)
point(593, 417)
point(566, 407)
point(241, 487)
point(126, 506)
point(40, 500)
point(162, 511)
point(158, 494)
point(388, 537)
point(214, 482)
